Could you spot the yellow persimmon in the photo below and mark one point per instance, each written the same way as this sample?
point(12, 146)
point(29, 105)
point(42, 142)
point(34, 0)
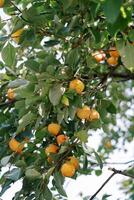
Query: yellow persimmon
point(74, 161)
point(10, 94)
point(61, 139)
point(16, 35)
point(94, 115)
point(113, 52)
point(112, 61)
point(99, 56)
point(15, 145)
point(67, 169)
point(2, 3)
point(77, 85)
point(84, 112)
point(54, 128)
point(51, 148)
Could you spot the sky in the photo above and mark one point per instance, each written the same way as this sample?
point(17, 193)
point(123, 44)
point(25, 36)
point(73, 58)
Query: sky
point(88, 184)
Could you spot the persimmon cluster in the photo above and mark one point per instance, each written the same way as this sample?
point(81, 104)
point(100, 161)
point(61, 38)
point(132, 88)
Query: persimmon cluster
point(111, 57)
point(71, 163)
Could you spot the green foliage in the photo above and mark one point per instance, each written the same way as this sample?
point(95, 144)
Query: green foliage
point(57, 45)
point(8, 55)
point(112, 10)
point(126, 52)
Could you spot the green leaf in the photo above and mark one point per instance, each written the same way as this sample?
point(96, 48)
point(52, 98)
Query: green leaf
point(82, 136)
point(98, 172)
point(72, 58)
point(3, 38)
point(14, 174)
point(126, 53)
point(85, 161)
point(26, 120)
point(5, 160)
point(63, 149)
point(60, 116)
point(20, 163)
point(25, 91)
point(111, 108)
point(67, 3)
point(9, 55)
point(98, 159)
point(46, 194)
point(33, 65)
point(6, 186)
point(19, 23)
point(120, 24)
point(106, 196)
point(32, 174)
point(72, 111)
point(131, 35)
point(55, 94)
point(59, 180)
point(42, 109)
point(51, 43)
point(17, 83)
point(112, 10)
point(50, 60)
point(47, 175)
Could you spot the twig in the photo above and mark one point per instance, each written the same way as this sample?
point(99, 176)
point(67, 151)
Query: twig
point(112, 163)
point(20, 12)
point(124, 173)
point(16, 7)
point(115, 171)
point(92, 197)
point(119, 163)
point(10, 102)
point(6, 103)
point(126, 76)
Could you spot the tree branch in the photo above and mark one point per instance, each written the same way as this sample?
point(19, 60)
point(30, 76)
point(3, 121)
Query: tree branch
point(125, 76)
point(124, 173)
point(109, 178)
point(7, 103)
point(20, 12)
point(119, 163)
point(15, 6)
point(112, 163)
point(115, 171)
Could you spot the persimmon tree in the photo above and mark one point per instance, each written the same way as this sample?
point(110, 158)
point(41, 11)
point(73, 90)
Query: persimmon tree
point(67, 70)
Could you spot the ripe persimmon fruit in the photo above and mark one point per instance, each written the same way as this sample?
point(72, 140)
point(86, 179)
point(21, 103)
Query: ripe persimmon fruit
point(84, 112)
point(50, 160)
point(108, 144)
point(16, 146)
point(16, 35)
point(2, 3)
point(11, 94)
point(94, 115)
point(113, 52)
point(54, 128)
point(61, 139)
point(51, 148)
point(99, 56)
point(74, 161)
point(112, 61)
point(67, 169)
point(77, 85)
